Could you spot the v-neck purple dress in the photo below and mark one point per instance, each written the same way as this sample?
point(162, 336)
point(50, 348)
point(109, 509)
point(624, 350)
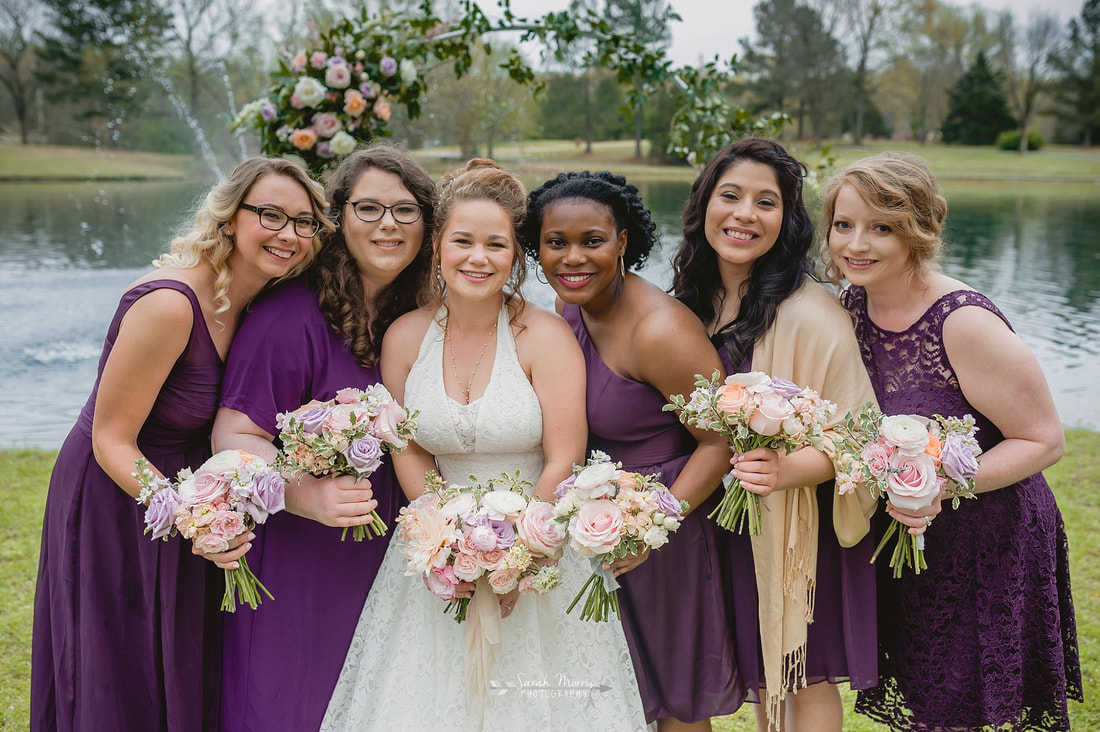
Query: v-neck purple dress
point(281, 661)
point(120, 621)
point(674, 609)
point(985, 638)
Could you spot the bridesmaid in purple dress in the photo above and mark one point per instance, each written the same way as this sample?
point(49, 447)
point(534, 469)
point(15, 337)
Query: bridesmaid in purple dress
point(120, 621)
point(743, 267)
point(640, 346)
point(306, 340)
point(985, 638)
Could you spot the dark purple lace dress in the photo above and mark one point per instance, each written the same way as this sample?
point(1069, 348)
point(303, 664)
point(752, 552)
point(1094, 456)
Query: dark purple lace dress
point(985, 638)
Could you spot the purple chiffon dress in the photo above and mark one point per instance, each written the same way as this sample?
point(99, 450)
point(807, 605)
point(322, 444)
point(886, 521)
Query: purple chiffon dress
point(674, 609)
point(841, 641)
point(120, 621)
point(985, 638)
point(281, 661)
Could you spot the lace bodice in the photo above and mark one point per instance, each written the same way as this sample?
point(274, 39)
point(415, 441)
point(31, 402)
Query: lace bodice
point(504, 426)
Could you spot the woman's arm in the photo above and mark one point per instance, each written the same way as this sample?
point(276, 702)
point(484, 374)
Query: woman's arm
point(399, 350)
point(1002, 379)
point(558, 377)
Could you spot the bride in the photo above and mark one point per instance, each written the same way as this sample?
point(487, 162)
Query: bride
point(500, 387)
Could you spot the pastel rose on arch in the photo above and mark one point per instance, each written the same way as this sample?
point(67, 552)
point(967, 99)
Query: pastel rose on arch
point(327, 124)
point(408, 71)
point(354, 103)
point(324, 150)
point(388, 66)
point(309, 91)
point(317, 60)
point(382, 109)
point(338, 76)
point(298, 63)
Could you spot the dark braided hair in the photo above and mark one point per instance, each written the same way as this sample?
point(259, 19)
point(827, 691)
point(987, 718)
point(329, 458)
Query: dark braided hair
point(335, 276)
point(602, 187)
point(772, 278)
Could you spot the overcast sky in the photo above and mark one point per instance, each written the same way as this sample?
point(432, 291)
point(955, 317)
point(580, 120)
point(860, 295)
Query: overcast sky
point(712, 27)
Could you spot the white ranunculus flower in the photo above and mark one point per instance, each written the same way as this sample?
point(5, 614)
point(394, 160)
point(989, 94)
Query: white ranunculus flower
point(595, 481)
point(656, 537)
point(907, 434)
point(501, 505)
point(752, 378)
point(461, 505)
point(408, 71)
point(342, 143)
point(310, 91)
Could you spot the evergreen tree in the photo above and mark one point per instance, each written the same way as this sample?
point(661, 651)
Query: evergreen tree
point(978, 111)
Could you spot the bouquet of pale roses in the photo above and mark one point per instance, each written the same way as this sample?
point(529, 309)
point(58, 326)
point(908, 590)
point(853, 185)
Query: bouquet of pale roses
point(911, 460)
point(345, 436)
point(753, 410)
point(228, 495)
point(612, 513)
point(495, 531)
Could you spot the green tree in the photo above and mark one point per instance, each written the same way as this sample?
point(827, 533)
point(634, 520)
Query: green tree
point(1076, 65)
point(99, 54)
point(581, 106)
point(646, 21)
point(1026, 59)
point(17, 19)
point(978, 109)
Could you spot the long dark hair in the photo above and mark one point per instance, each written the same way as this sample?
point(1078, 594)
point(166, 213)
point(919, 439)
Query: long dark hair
point(335, 276)
point(773, 277)
point(602, 187)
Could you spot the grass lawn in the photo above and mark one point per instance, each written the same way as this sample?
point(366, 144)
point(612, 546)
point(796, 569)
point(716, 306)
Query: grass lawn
point(48, 162)
point(25, 474)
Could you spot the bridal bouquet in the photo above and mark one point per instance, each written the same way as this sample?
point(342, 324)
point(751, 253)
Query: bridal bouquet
point(228, 495)
point(911, 460)
point(345, 436)
point(491, 531)
point(612, 513)
point(753, 410)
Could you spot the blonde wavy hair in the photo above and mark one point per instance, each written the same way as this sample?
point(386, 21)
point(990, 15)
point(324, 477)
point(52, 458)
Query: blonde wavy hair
point(481, 179)
point(204, 239)
point(901, 192)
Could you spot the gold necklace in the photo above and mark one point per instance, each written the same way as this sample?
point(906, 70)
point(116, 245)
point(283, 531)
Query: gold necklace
point(454, 366)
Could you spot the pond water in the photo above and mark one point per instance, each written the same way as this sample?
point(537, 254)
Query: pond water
point(67, 251)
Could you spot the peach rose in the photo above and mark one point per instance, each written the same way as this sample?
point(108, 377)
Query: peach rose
point(732, 398)
point(354, 103)
point(382, 109)
point(210, 543)
point(303, 139)
point(933, 448)
point(466, 567)
point(504, 581)
point(491, 559)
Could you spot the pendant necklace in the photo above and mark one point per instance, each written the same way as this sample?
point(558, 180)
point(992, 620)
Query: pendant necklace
point(454, 366)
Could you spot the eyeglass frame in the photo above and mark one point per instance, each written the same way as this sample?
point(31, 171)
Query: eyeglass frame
point(317, 225)
point(354, 207)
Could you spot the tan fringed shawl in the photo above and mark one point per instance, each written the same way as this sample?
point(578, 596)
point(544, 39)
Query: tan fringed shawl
point(811, 343)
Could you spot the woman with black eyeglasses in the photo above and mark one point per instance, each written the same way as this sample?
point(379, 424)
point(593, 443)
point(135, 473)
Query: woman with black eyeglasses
point(121, 621)
point(306, 340)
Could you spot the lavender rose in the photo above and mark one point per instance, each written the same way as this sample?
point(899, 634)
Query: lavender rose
point(269, 112)
point(957, 459)
point(565, 486)
point(160, 515)
point(268, 494)
point(313, 419)
point(784, 388)
point(364, 454)
point(666, 502)
point(506, 535)
point(388, 66)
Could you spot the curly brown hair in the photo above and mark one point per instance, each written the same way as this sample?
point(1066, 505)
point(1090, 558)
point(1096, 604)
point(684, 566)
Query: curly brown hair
point(335, 275)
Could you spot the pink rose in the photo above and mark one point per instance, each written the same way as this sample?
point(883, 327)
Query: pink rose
point(339, 418)
point(338, 77)
point(538, 529)
point(504, 581)
point(441, 581)
point(527, 584)
point(298, 63)
point(771, 409)
point(327, 124)
point(911, 483)
point(317, 60)
point(876, 455)
point(491, 559)
point(482, 538)
point(348, 395)
point(595, 528)
point(385, 425)
point(227, 524)
point(466, 567)
point(210, 543)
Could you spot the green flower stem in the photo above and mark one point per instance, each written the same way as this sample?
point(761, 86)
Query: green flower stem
point(598, 603)
point(242, 586)
point(459, 607)
point(905, 554)
point(375, 526)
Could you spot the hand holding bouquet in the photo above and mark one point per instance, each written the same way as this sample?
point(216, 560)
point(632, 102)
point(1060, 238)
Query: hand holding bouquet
point(753, 410)
point(227, 496)
point(461, 533)
point(611, 514)
point(911, 460)
point(345, 436)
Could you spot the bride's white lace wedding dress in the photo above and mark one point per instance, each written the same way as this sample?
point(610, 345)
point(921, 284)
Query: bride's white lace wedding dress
point(405, 668)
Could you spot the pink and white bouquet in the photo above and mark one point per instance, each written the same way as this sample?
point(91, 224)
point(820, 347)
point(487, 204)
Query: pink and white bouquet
point(910, 459)
point(493, 532)
point(753, 410)
point(227, 496)
point(345, 436)
point(611, 514)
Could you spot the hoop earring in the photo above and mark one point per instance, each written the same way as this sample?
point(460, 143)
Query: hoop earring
point(622, 267)
point(538, 269)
